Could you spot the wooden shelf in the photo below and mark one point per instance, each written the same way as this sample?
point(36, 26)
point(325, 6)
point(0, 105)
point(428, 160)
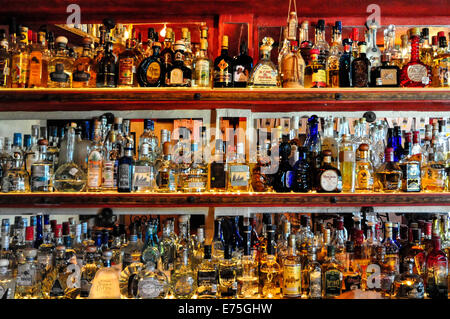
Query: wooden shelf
point(261, 100)
point(221, 200)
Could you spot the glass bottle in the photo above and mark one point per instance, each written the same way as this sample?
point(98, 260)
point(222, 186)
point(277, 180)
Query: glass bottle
point(392, 259)
point(42, 170)
point(388, 177)
point(106, 68)
point(69, 177)
point(105, 284)
point(441, 65)
point(302, 181)
point(333, 60)
point(360, 67)
point(329, 142)
point(426, 50)
point(95, 161)
point(88, 271)
point(144, 179)
point(321, 44)
point(151, 283)
point(408, 285)
point(415, 73)
point(223, 67)
point(434, 174)
point(207, 276)
point(127, 64)
point(292, 271)
point(60, 66)
point(228, 275)
point(179, 74)
point(168, 249)
point(410, 165)
point(5, 61)
point(315, 72)
point(373, 53)
point(202, 70)
point(197, 179)
point(238, 171)
point(150, 252)
point(37, 64)
point(386, 74)
point(270, 271)
point(167, 54)
point(16, 179)
point(292, 68)
point(364, 170)
point(331, 275)
point(242, 66)
point(131, 253)
point(312, 276)
point(248, 270)
point(345, 64)
point(305, 44)
point(338, 241)
point(20, 60)
point(84, 74)
point(413, 250)
point(28, 285)
point(351, 269)
point(183, 280)
point(329, 178)
point(347, 164)
point(166, 176)
point(436, 273)
point(7, 281)
point(125, 171)
point(265, 73)
point(283, 178)
point(150, 72)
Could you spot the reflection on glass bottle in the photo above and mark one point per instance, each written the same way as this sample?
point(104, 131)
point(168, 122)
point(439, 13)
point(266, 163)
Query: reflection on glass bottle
point(228, 275)
point(28, 284)
point(106, 281)
point(207, 276)
point(265, 73)
point(183, 280)
point(16, 179)
point(151, 283)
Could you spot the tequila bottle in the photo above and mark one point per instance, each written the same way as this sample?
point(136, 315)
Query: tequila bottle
point(144, 171)
point(238, 171)
point(385, 74)
point(426, 50)
point(228, 275)
point(414, 250)
point(20, 60)
point(408, 285)
point(127, 284)
point(347, 164)
point(332, 275)
point(223, 67)
point(364, 170)
point(436, 273)
point(329, 178)
point(207, 276)
point(292, 271)
point(60, 66)
point(5, 61)
point(261, 176)
point(312, 276)
point(388, 177)
point(16, 179)
point(315, 72)
point(151, 283)
point(197, 177)
point(373, 53)
point(218, 169)
point(202, 71)
point(88, 271)
point(69, 177)
point(167, 175)
point(305, 44)
point(333, 60)
point(95, 161)
point(131, 253)
point(270, 271)
point(360, 67)
point(242, 66)
point(150, 72)
point(441, 65)
point(345, 64)
point(183, 280)
point(415, 73)
point(168, 248)
point(320, 43)
point(125, 171)
point(38, 61)
point(84, 74)
point(179, 74)
point(167, 54)
point(248, 270)
point(351, 269)
point(106, 281)
point(292, 68)
point(392, 261)
point(128, 62)
point(28, 284)
point(283, 178)
point(265, 73)
point(434, 174)
point(7, 281)
point(151, 252)
point(106, 68)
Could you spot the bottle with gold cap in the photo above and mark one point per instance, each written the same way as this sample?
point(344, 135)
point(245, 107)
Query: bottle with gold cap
point(441, 64)
point(223, 67)
point(265, 73)
point(415, 73)
point(179, 74)
point(202, 71)
point(167, 54)
point(151, 72)
point(186, 37)
point(20, 60)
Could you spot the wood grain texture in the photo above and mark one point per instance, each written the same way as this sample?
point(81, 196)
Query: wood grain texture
point(221, 200)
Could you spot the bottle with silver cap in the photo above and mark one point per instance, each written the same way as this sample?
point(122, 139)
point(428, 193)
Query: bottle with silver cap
point(106, 281)
point(16, 179)
point(183, 280)
point(60, 66)
point(28, 281)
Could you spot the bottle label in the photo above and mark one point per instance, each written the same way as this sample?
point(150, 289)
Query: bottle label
point(35, 69)
point(265, 76)
point(364, 179)
point(319, 77)
point(240, 74)
point(207, 279)
point(40, 176)
point(329, 180)
point(26, 275)
point(292, 280)
point(223, 75)
point(352, 282)
point(124, 176)
point(19, 70)
point(442, 72)
point(80, 74)
point(412, 176)
point(417, 72)
point(176, 76)
point(167, 181)
point(126, 71)
point(202, 73)
point(239, 175)
point(59, 75)
point(108, 175)
point(196, 184)
point(218, 176)
point(315, 284)
point(153, 72)
point(143, 176)
point(149, 288)
point(333, 282)
point(388, 76)
point(94, 171)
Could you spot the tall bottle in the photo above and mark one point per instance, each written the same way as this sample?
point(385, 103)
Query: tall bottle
point(125, 171)
point(107, 68)
point(5, 61)
point(95, 162)
point(20, 60)
point(202, 71)
point(360, 67)
point(84, 73)
point(305, 44)
point(347, 164)
point(331, 275)
point(167, 54)
point(436, 276)
point(333, 60)
point(39, 59)
point(283, 178)
point(270, 271)
point(238, 171)
point(292, 271)
point(127, 65)
point(242, 66)
point(292, 68)
point(320, 43)
point(42, 170)
point(364, 170)
point(179, 74)
point(223, 67)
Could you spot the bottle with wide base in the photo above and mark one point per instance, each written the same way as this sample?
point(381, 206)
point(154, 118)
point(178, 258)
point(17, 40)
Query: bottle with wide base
point(106, 281)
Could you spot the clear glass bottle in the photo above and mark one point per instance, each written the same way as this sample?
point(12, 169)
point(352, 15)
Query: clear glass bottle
point(88, 271)
point(333, 60)
point(167, 173)
point(42, 170)
point(238, 171)
point(320, 43)
point(408, 285)
point(7, 281)
point(197, 178)
point(16, 179)
point(388, 177)
point(312, 276)
point(106, 281)
point(392, 259)
point(95, 160)
point(265, 73)
point(351, 270)
point(150, 252)
point(127, 276)
point(28, 284)
point(364, 170)
point(144, 179)
point(151, 283)
point(270, 271)
point(183, 281)
point(202, 72)
point(347, 164)
point(207, 276)
point(60, 66)
point(434, 174)
point(228, 275)
point(292, 272)
point(168, 249)
point(131, 252)
point(247, 277)
point(69, 177)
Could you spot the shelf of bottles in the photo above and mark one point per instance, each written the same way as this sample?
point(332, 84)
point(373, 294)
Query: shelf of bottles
point(268, 256)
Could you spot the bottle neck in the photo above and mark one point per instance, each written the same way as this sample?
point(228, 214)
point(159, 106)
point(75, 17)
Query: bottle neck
point(415, 48)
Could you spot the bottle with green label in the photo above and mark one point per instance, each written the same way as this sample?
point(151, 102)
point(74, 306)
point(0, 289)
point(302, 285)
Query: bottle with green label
point(332, 275)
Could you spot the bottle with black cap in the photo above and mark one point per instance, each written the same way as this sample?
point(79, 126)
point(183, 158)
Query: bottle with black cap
point(248, 269)
point(332, 275)
point(228, 275)
point(352, 273)
point(270, 271)
point(207, 276)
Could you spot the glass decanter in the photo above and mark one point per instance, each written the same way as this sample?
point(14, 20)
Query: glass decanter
point(265, 73)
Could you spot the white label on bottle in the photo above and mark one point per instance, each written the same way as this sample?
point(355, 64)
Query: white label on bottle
point(417, 72)
point(26, 275)
point(196, 184)
point(176, 76)
point(142, 176)
point(149, 288)
point(108, 174)
point(40, 176)
point(329, 180)
point(73, 171)
point(241, 74)
point(239, 175)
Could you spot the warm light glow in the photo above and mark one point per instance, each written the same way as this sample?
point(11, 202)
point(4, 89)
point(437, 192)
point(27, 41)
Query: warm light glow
point(162, 33)
point(126, 34)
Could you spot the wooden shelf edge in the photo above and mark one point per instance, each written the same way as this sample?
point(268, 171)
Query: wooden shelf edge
point(221, 200)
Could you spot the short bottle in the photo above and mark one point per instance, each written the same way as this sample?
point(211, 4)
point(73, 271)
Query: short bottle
point(179, 74)
point(202, 72)
point(386, 74)
point(150, 72)
point(315, 72)
point(408, 285)
point(105, 284)
point(152, 283)
point(302, 182)
point(88, 271)
point(84, 74)
point(28, 281)
point(207, 276)
point(183, 280)
point(228, 275)
point(7, 281)
point(42, 170)
point(329, 178)
point(60, 66)
point(265, 73)
point(436, 273)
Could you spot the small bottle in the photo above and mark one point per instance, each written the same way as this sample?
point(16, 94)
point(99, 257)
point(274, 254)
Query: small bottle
point(441, 65)
point(28, 281)
point(302, 182)
point(408, 285)
point(202, 71)
point(16, 179)
point(315, 72)
point(312, 276)
point(207, 276)
point(265, 73)
point(7, 281)
point(125, 171)
point(84, 74)
point(179, 74)
point(283, 178)
point(105, 284)
point(60, 66)
point(223, 67)
point(364, 170)
point(292, 68)
point(167, 177)
point(345, 65)
point(329, 178)
point(238, 171)
point(5, 61)
point(332, 275)
point(388, 177)
point(385, 75)
point(360, 68)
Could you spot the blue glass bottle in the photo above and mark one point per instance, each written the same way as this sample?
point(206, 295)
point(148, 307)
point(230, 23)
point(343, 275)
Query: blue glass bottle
point(398, 151)
point(39, 232)
point(391, 141)
point(151, 70)
point(302, 181)
point(282, 181)
point(345, 64)
point(125, 171)
point(313, 145)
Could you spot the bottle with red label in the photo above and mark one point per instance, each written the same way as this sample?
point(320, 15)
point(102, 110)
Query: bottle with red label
point(127, 67)
point(315, 72)
point(415, 73)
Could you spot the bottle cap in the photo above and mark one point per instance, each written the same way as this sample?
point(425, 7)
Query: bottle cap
point(225, 41)
point(17, 139)
point(87, 42)
point(43, 142)
point(363, 147)
point(414, 31)
point(338, 26)
point(62, 40)
point(314, 51)
point(29, 233)
point(441, 34)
